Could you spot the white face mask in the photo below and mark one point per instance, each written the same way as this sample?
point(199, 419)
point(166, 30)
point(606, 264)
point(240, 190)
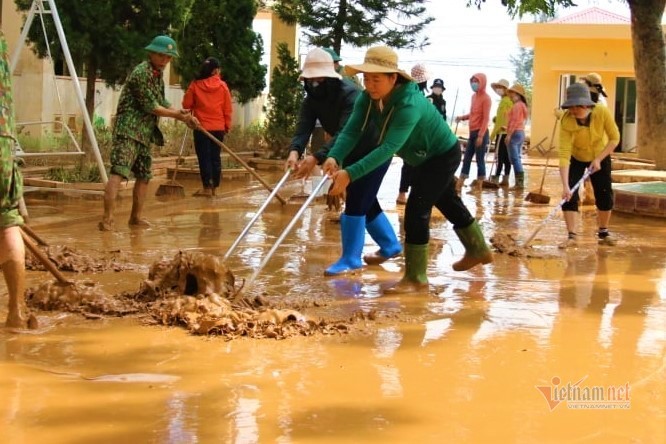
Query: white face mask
point(437, 90)
point(499, 91)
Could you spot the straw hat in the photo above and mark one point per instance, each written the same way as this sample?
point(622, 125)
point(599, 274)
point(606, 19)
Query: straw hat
point(518, 89)
point(502, 83)
point(379, 59)
point(593, 81)
point(577, 95)
point(318, 63)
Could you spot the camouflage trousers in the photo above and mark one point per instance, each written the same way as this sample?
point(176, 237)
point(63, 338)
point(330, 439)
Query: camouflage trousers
point(11, 186)
point(129, 156)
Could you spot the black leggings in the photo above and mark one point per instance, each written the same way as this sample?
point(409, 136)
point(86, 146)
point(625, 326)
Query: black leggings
point(405, 177)
point(601, 184)
point(433, 184)
point(502, 153)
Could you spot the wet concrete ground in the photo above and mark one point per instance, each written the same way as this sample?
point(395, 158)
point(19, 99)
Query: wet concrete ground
point(476, 360)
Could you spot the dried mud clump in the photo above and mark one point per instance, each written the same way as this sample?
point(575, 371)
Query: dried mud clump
point(507, 244)
point(189, 274)
point(192, 290)
point(68, 259)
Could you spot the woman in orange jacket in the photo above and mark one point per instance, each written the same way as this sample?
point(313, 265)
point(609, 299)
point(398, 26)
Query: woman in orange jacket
point(209, 99)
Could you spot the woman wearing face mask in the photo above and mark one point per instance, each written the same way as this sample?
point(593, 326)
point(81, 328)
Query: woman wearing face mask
point(515, 132)
point(588, 135)
point(437, 97)
point(499, 133)
point(479, 117)
point(331, 100)
point(410, 127)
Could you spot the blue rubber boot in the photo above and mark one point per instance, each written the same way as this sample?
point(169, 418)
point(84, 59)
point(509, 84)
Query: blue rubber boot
point(381, 231)
point(353, 237)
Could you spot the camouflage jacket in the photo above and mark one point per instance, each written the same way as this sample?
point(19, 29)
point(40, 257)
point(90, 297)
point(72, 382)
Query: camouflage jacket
point(142, 93)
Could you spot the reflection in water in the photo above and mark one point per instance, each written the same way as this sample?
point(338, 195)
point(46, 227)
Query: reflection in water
point(387, 342)
point(181, 425)
point(246, 429)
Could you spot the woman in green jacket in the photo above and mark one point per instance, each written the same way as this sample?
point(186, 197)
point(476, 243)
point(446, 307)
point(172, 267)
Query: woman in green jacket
point(410, 127)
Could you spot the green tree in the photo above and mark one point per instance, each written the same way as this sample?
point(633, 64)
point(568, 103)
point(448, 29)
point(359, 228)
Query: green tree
point(396, 23)
point(649, 64)
point(284, 102)
point(106, 37)
point(522, 69)
point(223, 29)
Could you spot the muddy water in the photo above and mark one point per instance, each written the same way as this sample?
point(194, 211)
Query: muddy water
point(461, 364)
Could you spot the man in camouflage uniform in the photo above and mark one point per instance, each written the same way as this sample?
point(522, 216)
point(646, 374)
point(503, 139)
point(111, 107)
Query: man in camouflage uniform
point(12, 250)
point(142, 102)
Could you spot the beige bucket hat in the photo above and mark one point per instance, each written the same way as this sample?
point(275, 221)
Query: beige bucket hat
point(379, 59)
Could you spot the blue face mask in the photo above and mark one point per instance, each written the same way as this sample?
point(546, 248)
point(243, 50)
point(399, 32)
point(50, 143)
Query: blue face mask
point(475, 86)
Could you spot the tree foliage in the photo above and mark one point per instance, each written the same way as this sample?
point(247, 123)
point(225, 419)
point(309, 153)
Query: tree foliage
point(106, 37)
point(523, 63)
point(396, 23)
point(521, 7)
point(284, 101)
point(223, 29)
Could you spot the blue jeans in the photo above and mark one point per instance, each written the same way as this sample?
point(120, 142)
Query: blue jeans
point(515, 150)
point(209, 157)
point(361, 197)
point(478, 149)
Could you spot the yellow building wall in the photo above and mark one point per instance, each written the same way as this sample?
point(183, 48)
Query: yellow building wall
point(609, 58)
point(282, 33)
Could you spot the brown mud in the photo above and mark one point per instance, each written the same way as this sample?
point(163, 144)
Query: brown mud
point(67, 258)
point(195, 291)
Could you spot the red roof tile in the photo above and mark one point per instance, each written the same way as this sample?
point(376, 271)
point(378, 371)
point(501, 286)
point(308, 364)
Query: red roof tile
point(593, 16)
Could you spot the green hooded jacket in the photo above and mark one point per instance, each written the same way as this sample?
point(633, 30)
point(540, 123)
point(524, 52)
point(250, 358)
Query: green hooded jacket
point(409, 126)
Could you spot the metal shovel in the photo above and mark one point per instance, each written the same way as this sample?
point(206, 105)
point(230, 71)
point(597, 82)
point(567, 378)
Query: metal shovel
point(257, 215)
point(280, 239)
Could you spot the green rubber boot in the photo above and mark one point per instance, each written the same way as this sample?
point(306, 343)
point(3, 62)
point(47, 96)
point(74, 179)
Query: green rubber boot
point(476, 249)
point(415, 278)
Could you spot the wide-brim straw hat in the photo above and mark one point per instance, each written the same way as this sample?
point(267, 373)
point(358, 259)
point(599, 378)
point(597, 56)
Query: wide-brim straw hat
point(518, 89)
point(379, 59)
point(318, 63)
point(578, 94)
point(593, 81)
point(502, 83)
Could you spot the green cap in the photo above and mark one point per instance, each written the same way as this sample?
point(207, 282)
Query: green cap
point(334, 55)
point(163, 44)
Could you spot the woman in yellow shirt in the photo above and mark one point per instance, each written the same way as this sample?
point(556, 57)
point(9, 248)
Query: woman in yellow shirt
point(588, 135)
